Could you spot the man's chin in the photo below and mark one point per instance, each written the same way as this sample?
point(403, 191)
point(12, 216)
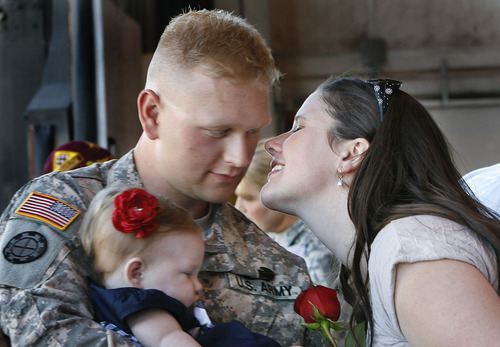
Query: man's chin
point(221, 197)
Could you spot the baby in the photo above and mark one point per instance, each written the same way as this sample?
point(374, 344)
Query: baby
point(147, 253)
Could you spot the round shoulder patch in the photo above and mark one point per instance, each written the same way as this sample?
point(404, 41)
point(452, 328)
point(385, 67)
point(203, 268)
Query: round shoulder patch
point(25, 247)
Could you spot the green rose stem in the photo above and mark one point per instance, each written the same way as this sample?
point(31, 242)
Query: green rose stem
point(325, 329)
point(324, 325)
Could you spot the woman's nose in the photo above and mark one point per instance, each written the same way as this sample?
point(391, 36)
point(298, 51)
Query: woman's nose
point(273, 145)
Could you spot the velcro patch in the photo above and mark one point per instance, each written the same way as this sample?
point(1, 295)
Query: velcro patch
point(25, 247)
point(48, 209)
point(260, 287)
point(66, 160)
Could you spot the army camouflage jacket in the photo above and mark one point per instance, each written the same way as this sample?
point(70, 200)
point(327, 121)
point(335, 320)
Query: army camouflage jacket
point(322, 265)
point(43, 292)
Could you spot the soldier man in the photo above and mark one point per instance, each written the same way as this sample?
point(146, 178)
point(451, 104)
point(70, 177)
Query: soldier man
point(202, 111)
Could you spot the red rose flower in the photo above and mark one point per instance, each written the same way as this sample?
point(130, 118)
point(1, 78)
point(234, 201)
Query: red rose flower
point(135, 211)
point(320, 308)
point(325, 300)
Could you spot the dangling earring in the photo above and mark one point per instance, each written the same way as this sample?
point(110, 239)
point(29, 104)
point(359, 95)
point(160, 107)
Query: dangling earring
point(340, 183)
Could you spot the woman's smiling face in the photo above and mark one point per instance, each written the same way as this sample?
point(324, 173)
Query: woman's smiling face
point(304, 166)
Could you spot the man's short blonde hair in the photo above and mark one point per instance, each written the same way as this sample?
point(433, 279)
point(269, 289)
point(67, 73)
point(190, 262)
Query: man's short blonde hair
point(221, 44)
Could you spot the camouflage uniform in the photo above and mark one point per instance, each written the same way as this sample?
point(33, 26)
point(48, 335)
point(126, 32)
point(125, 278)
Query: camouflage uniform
point(43, 293)
point(323, 266)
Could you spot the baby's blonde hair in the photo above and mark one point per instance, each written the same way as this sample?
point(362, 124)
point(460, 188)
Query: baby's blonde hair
point(108, 247)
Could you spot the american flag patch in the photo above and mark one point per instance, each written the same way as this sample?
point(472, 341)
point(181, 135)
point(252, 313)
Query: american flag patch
point(48, 209)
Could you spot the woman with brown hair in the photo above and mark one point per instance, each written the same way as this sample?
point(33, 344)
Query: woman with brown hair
point(369, 171)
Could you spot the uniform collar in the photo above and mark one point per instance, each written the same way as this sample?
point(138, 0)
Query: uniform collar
point(124, 170)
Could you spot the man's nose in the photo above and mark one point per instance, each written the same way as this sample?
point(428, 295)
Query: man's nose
point(239, 152)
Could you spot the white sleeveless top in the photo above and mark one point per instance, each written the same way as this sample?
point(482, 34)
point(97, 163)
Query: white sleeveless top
point(414, 239)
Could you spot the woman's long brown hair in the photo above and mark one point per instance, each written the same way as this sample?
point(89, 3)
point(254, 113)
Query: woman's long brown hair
point(408, 170)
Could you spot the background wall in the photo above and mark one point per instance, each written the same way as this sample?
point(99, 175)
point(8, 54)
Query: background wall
point(446, 52)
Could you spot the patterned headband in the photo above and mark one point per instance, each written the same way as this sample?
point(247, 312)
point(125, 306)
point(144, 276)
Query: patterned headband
point(384, 89)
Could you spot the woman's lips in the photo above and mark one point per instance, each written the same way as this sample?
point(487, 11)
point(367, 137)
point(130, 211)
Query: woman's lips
point(275, 169)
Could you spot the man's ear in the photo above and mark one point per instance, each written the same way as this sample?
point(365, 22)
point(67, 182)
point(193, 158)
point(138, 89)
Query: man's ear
point(352, 154)
point(148, 107)
point(134, 270)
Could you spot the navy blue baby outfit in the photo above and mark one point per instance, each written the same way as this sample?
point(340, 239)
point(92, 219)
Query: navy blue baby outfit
point(115, 305)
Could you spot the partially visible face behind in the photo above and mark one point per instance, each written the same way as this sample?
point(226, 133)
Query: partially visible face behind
point(304, 166)
point(173, 264)
point(248, 201)
point(209, 129)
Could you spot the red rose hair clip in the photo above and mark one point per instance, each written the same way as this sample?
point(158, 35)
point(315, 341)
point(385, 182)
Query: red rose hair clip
point(136, 211)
